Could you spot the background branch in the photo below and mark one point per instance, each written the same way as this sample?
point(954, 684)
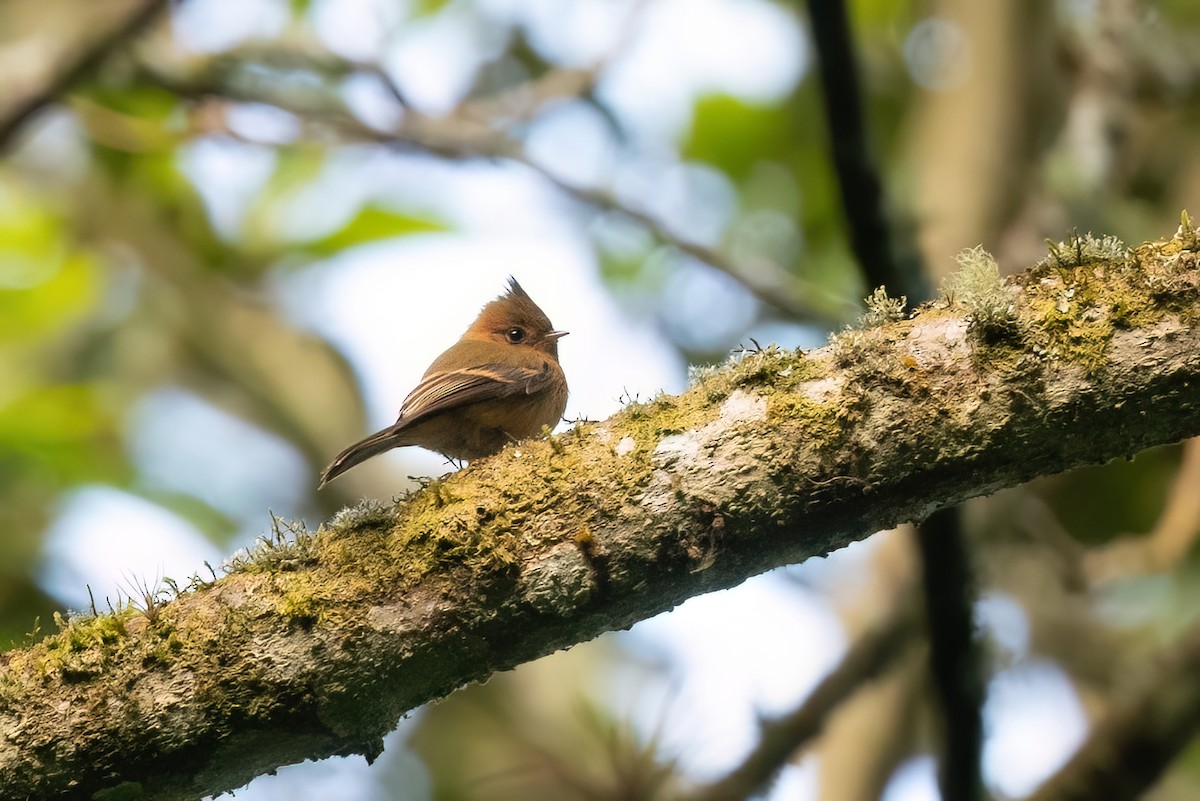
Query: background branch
point(468, 133)
point(954, 659)
point(76, 62)
point(858, 177)
point(1129, 750)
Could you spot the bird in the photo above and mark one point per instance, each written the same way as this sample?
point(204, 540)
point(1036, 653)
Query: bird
point(499, 383)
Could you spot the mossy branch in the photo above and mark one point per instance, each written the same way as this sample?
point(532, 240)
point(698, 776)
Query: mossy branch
point(318, 646)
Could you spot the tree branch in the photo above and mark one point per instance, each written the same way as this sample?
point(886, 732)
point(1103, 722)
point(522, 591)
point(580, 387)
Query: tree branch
point(75, 65)
point(858, 179)
point(471, 133)
point(318, 647)
point(954, 659)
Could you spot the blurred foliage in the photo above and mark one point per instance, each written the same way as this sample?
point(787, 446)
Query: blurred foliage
point(369, 225)
point(1079, 497)
point(126, 270)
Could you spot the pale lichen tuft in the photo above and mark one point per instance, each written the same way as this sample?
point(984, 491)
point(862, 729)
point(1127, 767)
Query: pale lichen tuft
point(987, 298)
point(882, 309)
point(1082, 249)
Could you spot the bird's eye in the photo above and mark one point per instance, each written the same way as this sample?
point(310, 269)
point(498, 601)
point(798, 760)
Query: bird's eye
point(516, 335)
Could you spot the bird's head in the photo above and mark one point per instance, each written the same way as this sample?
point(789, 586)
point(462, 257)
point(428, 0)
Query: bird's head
point(515, 319)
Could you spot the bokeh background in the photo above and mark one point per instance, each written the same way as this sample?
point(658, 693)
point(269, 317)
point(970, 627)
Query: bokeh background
point(239, 230)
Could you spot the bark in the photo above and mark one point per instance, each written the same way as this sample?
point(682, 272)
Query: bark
point(317, 645)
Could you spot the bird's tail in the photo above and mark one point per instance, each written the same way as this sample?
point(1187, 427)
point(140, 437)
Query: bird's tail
point(362, 450)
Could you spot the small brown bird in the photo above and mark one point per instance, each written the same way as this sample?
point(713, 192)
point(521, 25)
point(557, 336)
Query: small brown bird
point(499, 383)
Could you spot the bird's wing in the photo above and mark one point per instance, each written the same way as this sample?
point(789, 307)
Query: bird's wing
point(448, 389)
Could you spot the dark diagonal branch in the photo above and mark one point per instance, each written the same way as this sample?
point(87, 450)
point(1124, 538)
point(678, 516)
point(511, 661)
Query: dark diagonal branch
point(954, 658)
point(946, 574)
point(857, 174)
point(74, 66)
point(317, 647)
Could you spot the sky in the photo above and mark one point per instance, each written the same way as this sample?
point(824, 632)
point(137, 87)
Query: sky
point(734, 655)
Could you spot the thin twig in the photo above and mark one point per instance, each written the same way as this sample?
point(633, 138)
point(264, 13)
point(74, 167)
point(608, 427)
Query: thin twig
point(779, 739)
point(766, 280)
point(467, 134)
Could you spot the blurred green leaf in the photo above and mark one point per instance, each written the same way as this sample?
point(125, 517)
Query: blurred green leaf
point(1124, 496)
point(372, 224)
point(733, 135)
point(155, 176)
point(423, 8)
point(295, 167)
point(143, 101)
point(21, 603)
point(621, 269)
point(68, 288)
point(1179, 12)
point(884, 15)
point(736, 136)
point(66, 430)
point(739, 138)
point(27, 229)
point(160, 177)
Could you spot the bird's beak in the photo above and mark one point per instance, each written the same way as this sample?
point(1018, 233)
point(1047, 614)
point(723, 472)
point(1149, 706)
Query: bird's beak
point(556, 335)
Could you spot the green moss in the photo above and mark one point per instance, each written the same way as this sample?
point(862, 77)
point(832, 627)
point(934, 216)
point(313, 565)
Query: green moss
point(873, 358)
point(1081, 250)
point(12, 690)
point(1003, 356)
point(1077, 301)
point(1187, 236)
point(434, 535)
point(84, 645)
point(288, 546)
point(299, 607)
point(307, 597)
point(819, 421)
point(771, 366)
point(776, 368)
point(1089, 288)
point(165, 651)
point(83, 633)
